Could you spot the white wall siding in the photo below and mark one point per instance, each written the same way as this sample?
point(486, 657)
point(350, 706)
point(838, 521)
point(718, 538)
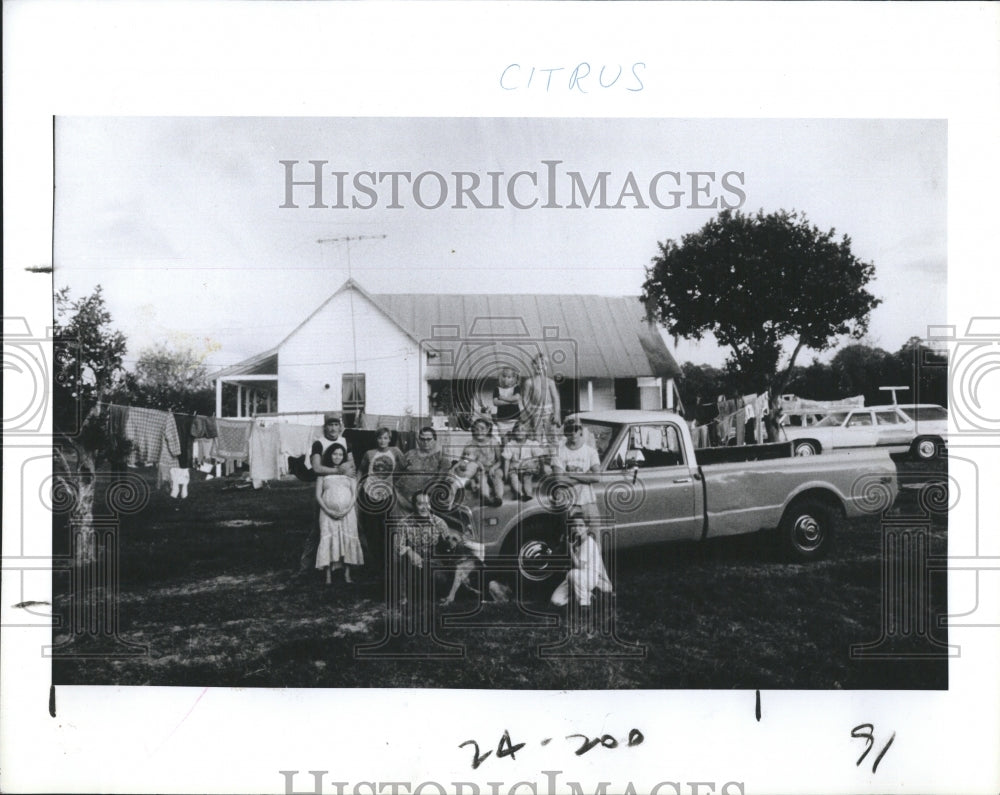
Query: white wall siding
point(322, 351)
point(604, 394)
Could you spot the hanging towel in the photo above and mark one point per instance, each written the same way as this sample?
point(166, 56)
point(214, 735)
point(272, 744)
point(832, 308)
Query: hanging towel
point(234, 439)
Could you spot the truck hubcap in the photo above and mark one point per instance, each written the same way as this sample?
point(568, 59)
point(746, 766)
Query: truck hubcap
point(534, 560)
point(808, 532)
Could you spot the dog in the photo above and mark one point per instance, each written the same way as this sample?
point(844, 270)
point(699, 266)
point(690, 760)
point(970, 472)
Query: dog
point(466, 556)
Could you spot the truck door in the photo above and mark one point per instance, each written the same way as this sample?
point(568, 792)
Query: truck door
point(658, 494)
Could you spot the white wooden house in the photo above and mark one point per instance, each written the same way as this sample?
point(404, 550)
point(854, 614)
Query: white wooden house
point(397, 354)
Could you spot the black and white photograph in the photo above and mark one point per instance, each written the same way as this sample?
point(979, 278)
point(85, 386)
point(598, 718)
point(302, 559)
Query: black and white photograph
point(500, 398)
point(501, 403)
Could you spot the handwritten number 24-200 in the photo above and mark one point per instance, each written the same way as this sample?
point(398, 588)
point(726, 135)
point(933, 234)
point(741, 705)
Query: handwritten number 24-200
point(507, 748)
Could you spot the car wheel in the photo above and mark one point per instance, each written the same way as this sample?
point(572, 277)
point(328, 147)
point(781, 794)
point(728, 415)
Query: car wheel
point(807, 529)
point(925, 448)
point(805, 449)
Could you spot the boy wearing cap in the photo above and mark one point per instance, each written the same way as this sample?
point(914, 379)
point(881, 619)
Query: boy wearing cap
point(578, 462)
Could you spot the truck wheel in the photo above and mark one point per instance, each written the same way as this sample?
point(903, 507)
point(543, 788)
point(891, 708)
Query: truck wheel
point(807, 528)
point(540, 556)
point(924, 448)
point(805, 448)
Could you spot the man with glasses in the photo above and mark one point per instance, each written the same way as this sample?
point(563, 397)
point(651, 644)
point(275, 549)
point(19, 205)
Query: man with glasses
point(421, 467)
point(579, 463)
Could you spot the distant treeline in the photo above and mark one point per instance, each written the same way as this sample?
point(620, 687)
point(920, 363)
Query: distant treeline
point(854, 370)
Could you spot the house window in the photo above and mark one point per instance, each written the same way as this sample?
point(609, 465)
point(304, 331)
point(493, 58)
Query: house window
point(353, 398)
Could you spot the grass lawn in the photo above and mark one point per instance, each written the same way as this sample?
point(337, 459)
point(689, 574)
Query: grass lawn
point(205, 585)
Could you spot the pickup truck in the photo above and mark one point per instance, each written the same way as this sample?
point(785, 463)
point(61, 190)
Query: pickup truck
point(653, 486)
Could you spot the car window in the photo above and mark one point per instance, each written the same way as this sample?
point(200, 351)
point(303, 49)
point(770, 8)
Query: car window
point(859, 418)
point(889, 418)
point(925, 413)
point(832, 420)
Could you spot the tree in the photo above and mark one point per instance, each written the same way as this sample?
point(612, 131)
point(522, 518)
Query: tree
point(87, 355)
point(173, 380)
point(817, 381)
point(87, 359)
point(700, 384)
point(756, 282)
point(924, 370)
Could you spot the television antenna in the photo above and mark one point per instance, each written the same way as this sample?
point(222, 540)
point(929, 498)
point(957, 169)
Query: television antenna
point(347, 240)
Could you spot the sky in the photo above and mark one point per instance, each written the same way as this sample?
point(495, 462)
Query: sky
point(180, 220)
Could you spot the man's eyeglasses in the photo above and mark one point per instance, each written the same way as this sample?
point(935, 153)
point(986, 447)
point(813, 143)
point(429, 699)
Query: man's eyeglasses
point(425, 438)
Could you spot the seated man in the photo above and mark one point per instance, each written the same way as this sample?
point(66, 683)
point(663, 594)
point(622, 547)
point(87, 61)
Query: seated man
point(415, 539)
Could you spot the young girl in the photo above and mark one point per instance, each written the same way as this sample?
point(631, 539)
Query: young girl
point(377, 498)
point(522, 458)
point(588, 570)
point(339, 545)
point(507, 401)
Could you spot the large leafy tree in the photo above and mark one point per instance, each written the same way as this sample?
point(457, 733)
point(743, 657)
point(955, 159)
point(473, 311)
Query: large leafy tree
point(757, 283)
point(88, 356)
point(87, 361)
point(173, 379)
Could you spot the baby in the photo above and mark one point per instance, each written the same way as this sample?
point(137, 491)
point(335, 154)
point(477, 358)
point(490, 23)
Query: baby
point(461, 474)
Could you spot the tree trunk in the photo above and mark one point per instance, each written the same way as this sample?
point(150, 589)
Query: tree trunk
point(79, 480)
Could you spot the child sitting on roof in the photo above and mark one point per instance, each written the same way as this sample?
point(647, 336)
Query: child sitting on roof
point(522, 459)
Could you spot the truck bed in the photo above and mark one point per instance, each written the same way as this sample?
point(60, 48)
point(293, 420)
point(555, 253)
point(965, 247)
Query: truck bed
point(707, 456)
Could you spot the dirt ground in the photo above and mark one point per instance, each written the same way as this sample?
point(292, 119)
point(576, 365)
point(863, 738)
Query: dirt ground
point(205, 596)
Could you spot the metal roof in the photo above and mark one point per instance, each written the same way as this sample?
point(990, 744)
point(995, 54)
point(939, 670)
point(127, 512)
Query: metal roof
point(584, 336)
point(265, 363)
point(599, 336)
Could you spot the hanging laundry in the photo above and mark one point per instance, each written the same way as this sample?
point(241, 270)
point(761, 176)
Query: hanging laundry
point(294, 441)
point(170, 451)
point(144, 429)
point(233, 440)
point(264, 445)
point(203, 427)
point(185, 422)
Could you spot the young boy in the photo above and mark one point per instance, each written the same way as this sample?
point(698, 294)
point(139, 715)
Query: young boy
point(522, 458)
point(588, 570)
point(486, 453)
